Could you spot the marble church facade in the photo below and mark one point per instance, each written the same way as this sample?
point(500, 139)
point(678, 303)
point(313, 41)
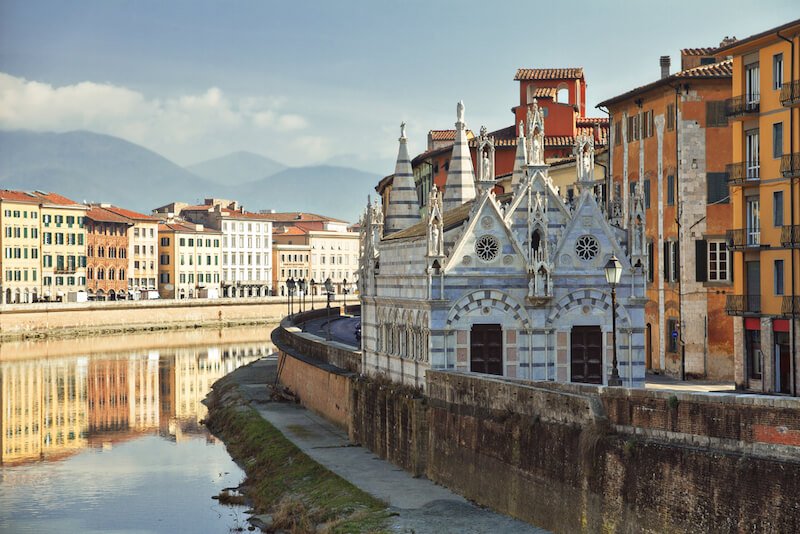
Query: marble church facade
point(510, 285)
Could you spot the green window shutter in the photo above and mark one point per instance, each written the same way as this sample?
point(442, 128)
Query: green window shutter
point(701, 260)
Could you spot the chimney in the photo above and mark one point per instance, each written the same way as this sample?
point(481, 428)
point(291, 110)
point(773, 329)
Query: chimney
point(664, 61)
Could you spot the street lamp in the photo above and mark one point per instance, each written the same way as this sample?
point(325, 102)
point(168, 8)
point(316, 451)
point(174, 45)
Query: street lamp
point(313, 285)
point(290, 285)
point(344, 291)
point(613, 271)
point(329, 292)
point(302, 284)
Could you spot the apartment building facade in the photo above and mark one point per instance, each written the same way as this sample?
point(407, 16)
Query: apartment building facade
point(63, 246)
point(189, 260)
point(765, 236)
point(20, 263)
point(671, 138)
point(106, 253)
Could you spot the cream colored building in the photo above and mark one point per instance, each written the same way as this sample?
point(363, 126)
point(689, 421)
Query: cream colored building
point(334, 255)
point(142, 254)
point(63, 247)
point(189, 260)
point(19, 240)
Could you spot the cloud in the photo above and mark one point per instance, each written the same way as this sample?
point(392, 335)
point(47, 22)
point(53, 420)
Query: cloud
point(177, 127)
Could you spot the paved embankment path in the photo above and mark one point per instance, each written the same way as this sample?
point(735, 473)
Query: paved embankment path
point(421, 506)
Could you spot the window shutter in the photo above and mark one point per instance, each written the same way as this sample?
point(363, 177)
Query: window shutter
point(676, 261)
point(650, 261)
point(665, 258)
point(701, 260)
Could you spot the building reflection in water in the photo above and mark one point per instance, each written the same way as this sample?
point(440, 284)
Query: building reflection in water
point(52, 408)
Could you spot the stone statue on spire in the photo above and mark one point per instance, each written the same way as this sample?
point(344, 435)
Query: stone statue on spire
point(402, 130)
point(460, 111)
point(584, 157)
point(535, 131)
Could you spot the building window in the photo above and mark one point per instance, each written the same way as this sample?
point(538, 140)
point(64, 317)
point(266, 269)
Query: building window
point(164, 241)
point(715, 114)
point(753, 220)
point(670, 190)
point(717, 188)
point(617, 133)
point(650, 261)
point(646, 185)
point(777, 71)
point(163, 278)
point(670, 118)
point(717, 261)
point(778, 277)
point(752, 345)
point(777, 140)
point(777, 208)
point(751, 84)
point(671, 261)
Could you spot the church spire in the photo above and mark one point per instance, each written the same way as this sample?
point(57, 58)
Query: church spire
point(521, 159)
point(403, 210)
point(460, 185)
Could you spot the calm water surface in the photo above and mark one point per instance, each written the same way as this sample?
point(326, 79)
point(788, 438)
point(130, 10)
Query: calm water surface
point(111, 442)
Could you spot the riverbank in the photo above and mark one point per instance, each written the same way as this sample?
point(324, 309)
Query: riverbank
point(285, 487)
point(72, 320)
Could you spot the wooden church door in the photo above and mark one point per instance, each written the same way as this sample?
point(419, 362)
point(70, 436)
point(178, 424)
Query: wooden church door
point(486, 349)
point(587, 354)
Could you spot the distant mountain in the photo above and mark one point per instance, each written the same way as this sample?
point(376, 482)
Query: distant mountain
point(378, 166)
point(236, 168)
point(88, 166)
point(339, 192)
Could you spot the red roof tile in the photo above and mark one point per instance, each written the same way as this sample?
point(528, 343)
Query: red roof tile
point(549, 74)
point(442, 135)
point(702, 51)
point(18, 196)
point(288, 217)
point(544, 92)
point(55, 198)
point(101, 214)
point(182, 226)
point(130, 214)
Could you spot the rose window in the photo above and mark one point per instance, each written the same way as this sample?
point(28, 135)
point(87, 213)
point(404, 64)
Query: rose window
point(487, 248)
point(586, 247)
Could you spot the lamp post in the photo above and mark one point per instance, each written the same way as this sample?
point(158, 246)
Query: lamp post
point(344, 291)
point(313, 285)
point(290, 285)
point(613, 271)
point(302, 284)
point(329, 292)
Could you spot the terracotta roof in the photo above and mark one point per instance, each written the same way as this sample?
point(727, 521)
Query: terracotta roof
point(442, 135)
point(130, 214)
point(702, 51)
point(723, 69)
point(181, 226)
point(544, 92)
point(101, 214)
point(294, 216)
point(55, 198)
point(18, 196)
point(291, 230)
point(748, 40)
point(549, 74)
point(590, 121)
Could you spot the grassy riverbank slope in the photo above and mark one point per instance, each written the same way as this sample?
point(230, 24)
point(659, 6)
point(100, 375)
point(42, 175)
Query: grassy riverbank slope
point(299, 494)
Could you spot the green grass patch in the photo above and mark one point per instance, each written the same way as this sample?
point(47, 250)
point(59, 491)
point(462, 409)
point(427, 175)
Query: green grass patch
point(283, 481)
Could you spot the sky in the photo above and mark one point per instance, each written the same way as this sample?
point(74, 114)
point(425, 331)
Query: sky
point(314, 82)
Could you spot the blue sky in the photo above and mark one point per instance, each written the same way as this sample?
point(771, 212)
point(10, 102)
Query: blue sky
point(308, 82)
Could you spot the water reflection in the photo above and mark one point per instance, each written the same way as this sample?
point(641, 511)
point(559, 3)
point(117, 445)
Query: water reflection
point(54, 407)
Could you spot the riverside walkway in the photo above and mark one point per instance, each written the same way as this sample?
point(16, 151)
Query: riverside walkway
point(419, 505)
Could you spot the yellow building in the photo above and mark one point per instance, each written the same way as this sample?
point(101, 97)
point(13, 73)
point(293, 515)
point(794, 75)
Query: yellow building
point(19, 240)
point(63, 247)
point(766, 213)
point(188, 262)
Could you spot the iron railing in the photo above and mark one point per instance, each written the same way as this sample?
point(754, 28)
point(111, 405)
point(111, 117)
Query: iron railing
point(742, 105)
point(790, 305)
point(790, 236)
point(742, 172)
point(742, 304)
point(65, 270)
point(790, 165)
point(790, 93)
point(742, 238)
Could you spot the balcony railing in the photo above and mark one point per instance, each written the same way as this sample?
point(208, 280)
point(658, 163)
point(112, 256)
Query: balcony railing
point(743, 238)
point(742, 105)
point(65, 270)
point(790, 165)
point(742, 172)
point(790, 236)
point(790, 93)
point(742, 304)
point(786, 305)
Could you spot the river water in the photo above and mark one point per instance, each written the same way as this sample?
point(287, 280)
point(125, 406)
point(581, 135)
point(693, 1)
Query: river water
point(111, 441)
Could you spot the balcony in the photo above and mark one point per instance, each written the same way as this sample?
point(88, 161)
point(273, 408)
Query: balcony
point(743, 304)
point(742, 105)
point(790, 165)
point(790, 236)
point(786, 305)
point(65, 270)
point(790, 93)
point(743, 238)
point(743, 172)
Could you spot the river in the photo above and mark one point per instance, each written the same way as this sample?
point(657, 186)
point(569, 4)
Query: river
point(110, 441)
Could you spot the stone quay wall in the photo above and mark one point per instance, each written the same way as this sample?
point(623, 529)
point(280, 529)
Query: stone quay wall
point(574, 458)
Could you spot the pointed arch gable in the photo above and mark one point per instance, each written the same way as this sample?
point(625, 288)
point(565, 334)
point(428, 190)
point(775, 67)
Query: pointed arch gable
point(594, 298)
point(492, 298)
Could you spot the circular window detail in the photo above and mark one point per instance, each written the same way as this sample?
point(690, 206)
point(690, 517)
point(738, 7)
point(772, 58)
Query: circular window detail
point(587, 247)
point(487, 248)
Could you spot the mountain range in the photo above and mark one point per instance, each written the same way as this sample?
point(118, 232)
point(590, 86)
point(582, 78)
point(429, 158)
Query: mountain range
point(91, 167)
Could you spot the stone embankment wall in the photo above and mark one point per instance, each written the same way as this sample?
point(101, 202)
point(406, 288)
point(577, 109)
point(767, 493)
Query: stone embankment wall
point(574, 458)
point(65, 319)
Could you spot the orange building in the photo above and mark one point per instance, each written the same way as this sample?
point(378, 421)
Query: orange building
point(765, 234)
point(560, 93)
point(671, 138)
point(106, 253)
